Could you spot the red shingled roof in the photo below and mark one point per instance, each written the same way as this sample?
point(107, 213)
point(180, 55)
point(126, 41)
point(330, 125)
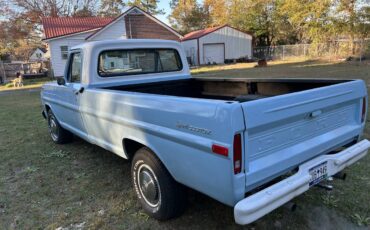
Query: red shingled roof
point(56, 27)
point(200, 33)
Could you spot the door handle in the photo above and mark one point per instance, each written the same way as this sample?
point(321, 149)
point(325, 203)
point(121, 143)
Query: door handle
point(315, 113)
point(81, 90)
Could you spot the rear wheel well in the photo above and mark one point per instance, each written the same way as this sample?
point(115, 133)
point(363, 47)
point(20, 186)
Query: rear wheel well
point(130, 147)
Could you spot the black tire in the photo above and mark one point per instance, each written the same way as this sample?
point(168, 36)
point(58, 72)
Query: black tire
point(169, 199)
point(57, 133)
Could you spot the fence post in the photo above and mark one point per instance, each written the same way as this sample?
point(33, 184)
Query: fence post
point(3, 77)
point(361, 51)
point(283, 51)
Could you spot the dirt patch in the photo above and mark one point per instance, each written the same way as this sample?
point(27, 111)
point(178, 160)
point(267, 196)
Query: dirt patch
point(320, 217)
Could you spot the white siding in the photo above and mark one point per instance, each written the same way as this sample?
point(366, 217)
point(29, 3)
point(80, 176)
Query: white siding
point(190, 47)
point(237, 44)
point(37, 55)
point(57, 63)
point(114, 31)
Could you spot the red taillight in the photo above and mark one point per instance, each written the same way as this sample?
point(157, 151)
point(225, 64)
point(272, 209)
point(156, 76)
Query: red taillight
point(363, 111)
point(237, 153)
point(220, 150)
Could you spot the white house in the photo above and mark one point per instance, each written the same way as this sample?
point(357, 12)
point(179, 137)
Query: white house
point(64, 32)
point(217, 45)
point(39, 54)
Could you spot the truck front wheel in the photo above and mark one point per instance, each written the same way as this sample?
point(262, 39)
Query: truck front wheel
point(58, 134)
point(159, 194)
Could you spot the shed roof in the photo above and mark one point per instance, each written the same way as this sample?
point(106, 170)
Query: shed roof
point(200, 33)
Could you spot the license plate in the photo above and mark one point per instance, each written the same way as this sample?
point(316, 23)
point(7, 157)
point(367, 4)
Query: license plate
point(318, 173)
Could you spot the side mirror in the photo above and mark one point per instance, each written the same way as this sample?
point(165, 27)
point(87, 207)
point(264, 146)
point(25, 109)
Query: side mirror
point(61, 81)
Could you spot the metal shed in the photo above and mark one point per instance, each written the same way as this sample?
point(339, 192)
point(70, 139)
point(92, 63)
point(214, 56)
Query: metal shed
point(217, 45)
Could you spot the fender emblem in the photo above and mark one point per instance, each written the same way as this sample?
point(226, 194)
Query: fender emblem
point(193, 128)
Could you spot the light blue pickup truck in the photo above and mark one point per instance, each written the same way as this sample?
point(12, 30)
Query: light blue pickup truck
point(253, 144)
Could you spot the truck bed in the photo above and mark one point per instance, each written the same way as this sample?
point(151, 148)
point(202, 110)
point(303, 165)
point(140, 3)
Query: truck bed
point(240, 90)
point(298, 119)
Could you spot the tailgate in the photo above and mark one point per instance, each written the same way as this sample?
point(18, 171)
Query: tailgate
point(284, 131)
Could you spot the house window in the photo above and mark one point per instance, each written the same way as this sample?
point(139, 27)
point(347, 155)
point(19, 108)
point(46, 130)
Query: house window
point(64, 52)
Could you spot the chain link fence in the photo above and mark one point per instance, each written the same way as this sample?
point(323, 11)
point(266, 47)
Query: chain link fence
point(334, 50)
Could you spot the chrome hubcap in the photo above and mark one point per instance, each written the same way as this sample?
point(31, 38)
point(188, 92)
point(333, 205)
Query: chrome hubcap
point(53, 128)
point(149, 186)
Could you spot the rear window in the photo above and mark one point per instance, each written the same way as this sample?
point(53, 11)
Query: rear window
point(138, 61)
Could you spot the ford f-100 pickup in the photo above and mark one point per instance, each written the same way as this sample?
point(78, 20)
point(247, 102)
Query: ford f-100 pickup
point(253, 144)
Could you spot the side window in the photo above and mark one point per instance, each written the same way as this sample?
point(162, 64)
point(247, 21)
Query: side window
point(169, 60)
point(64, 52)
point(75, 68)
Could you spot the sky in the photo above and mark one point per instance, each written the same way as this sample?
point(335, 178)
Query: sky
point(165, 5)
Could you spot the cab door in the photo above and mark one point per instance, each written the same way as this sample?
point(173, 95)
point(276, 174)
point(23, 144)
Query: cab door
point(71, 92)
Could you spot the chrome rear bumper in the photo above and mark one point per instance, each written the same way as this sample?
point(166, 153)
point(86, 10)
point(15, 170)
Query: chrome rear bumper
point(259, 204)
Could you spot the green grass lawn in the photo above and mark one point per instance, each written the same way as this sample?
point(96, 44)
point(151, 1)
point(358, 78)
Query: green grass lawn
point(46, 186)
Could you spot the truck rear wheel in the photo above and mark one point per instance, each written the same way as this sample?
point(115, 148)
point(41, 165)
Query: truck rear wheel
point(159, 194)
point(58, 134)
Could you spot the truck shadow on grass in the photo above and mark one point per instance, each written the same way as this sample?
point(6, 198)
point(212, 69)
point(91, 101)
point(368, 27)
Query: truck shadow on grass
point(107, 199)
